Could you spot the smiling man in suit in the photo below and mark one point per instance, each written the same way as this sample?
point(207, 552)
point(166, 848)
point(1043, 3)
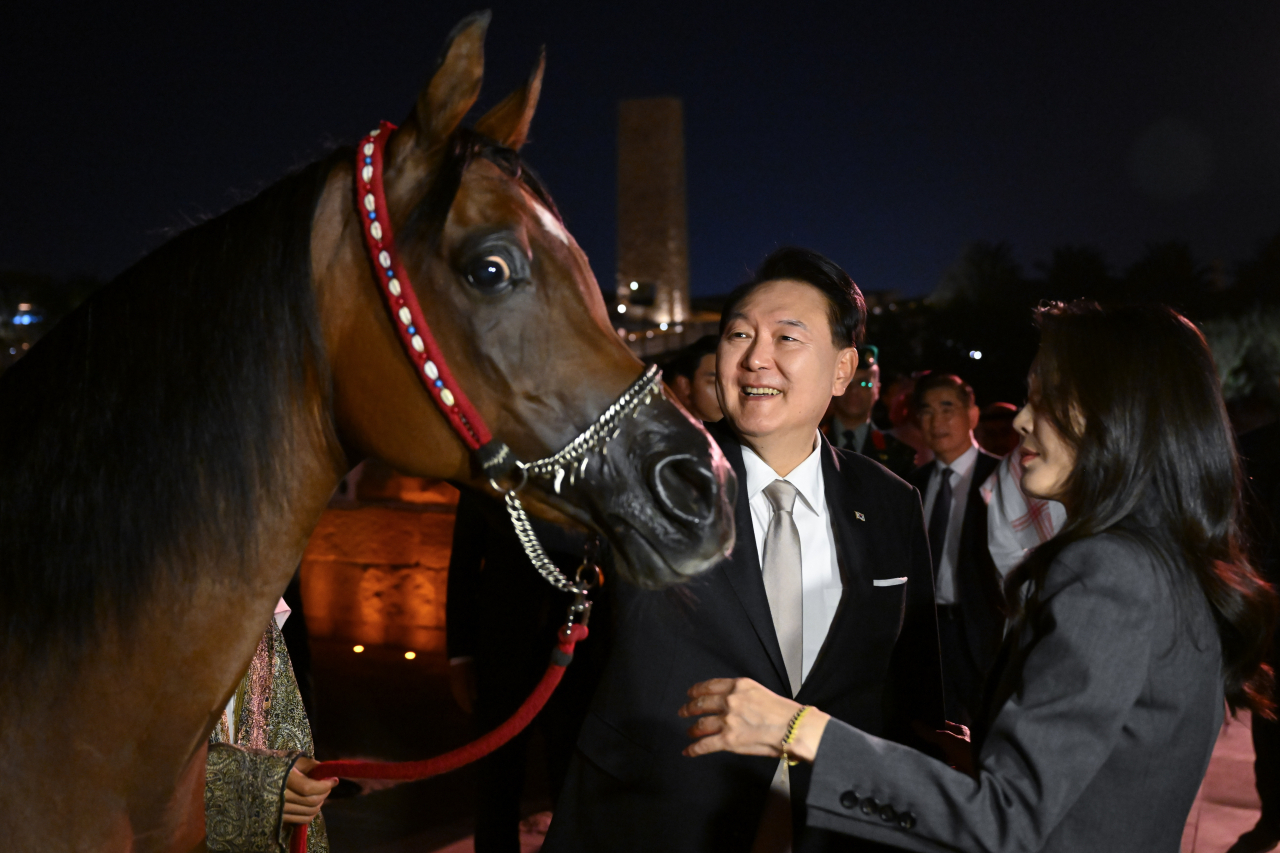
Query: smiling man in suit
point(827, 596)
point(968, 587)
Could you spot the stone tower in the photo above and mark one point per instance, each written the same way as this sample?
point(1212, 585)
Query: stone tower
point(653, 237)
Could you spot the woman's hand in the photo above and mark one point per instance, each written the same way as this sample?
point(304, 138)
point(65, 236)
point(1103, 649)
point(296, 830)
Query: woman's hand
point(303, 796)
point(743, 717)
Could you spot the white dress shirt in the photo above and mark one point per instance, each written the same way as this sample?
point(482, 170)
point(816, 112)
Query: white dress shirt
point(944, 586)
point(820, 573)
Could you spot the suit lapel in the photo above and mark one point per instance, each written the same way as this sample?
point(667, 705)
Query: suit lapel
point(742, 569)
point(853, 552)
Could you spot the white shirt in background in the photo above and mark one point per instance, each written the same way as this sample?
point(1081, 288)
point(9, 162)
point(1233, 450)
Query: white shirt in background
point(944, 584)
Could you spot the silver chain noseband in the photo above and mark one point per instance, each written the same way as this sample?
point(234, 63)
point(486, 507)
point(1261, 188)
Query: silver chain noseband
point(572, 460)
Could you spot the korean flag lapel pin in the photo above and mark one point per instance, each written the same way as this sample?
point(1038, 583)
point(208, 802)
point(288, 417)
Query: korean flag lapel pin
point(859, 516)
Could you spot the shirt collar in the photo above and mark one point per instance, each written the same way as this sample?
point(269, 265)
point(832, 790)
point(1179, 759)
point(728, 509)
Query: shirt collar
point(838, 429)
point(807, 477)
point(962, 465)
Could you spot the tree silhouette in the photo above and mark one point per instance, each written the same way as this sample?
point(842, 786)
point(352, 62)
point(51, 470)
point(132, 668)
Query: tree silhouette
point(1168, 273)
point(1258, 279)
point(985, 274)
point(1077, 272)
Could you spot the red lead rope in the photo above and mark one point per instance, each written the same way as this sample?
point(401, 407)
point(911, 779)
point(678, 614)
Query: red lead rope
point(410, 771)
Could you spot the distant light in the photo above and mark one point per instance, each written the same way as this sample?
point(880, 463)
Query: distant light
point(649, 334)
point(877, 310)
point(622, 332)
point(357, 649)
point(24, 306)
point(622, 309)
point(662, 326)
point(975, 354)
point(893, 306)
point(631, 337)
point(635, 285)
point(679, 328)
point(410, 655)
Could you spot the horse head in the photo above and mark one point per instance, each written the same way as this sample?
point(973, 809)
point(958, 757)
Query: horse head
point(516, 311)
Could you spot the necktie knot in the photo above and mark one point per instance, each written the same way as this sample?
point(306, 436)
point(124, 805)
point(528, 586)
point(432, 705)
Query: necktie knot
point(782, 495)
point(850, 439)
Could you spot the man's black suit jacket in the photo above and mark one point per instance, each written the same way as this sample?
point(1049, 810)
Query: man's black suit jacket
point(978, 581)
point(630, 789)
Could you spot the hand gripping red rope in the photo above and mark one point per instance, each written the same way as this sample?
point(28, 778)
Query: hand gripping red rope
point(409, 771)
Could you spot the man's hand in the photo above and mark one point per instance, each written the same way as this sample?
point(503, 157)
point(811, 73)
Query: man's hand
point(745, 718)
point(953, 740)
point(304, 796)
point(462, 683)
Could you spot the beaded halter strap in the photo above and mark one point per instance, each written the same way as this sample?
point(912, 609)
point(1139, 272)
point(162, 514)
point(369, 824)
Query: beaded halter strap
point(495, 458)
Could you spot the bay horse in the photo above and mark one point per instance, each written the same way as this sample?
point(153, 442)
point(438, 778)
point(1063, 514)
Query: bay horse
point(166, 450)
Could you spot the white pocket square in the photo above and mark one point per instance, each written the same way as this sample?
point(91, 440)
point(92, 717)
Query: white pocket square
point(888, 581)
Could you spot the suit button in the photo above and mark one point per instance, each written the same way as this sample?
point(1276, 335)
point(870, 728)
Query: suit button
point(907, 820)
point(888, 814)
point(849, 800)
point(870, 806)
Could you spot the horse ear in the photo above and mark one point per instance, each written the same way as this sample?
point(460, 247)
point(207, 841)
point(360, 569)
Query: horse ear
point(456, 83)
point(508, 122)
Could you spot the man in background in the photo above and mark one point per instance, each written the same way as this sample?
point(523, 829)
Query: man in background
point(691, 374)
point(850, 426)
point(967, 586)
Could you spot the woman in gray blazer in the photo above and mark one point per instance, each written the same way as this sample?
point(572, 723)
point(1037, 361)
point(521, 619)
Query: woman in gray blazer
point(1133, 624)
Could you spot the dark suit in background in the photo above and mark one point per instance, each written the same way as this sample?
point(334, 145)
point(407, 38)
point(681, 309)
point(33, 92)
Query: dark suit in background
point(630, 789)
point(504, 615)
point(971, 630)
point(898, 457)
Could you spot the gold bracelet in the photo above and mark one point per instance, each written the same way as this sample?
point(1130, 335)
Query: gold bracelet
point(791, 734)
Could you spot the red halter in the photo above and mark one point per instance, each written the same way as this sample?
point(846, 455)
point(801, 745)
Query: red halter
point(401, 301)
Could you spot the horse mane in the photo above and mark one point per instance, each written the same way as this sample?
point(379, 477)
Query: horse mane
point(144, 434)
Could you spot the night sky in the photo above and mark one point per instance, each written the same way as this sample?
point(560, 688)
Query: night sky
point(886, 135)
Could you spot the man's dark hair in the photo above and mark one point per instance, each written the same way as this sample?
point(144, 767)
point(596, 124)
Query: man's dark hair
point(846, 310)
point(996, 412)
point(931, 380)
point(684, 362)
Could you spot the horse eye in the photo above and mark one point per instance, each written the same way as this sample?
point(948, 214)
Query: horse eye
point(489, 273)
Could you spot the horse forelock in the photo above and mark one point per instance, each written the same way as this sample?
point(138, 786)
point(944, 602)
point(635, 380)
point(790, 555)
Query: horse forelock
point(426, 221)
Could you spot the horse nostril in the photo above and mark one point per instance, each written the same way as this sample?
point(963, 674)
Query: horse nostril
point(685, 488)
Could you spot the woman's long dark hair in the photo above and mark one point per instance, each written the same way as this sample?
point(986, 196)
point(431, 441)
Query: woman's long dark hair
point(1134, 392)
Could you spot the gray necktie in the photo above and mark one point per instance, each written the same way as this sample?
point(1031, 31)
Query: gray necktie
point(783, 580)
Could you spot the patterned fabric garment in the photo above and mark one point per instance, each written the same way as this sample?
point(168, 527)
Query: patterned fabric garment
point(244, 779)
